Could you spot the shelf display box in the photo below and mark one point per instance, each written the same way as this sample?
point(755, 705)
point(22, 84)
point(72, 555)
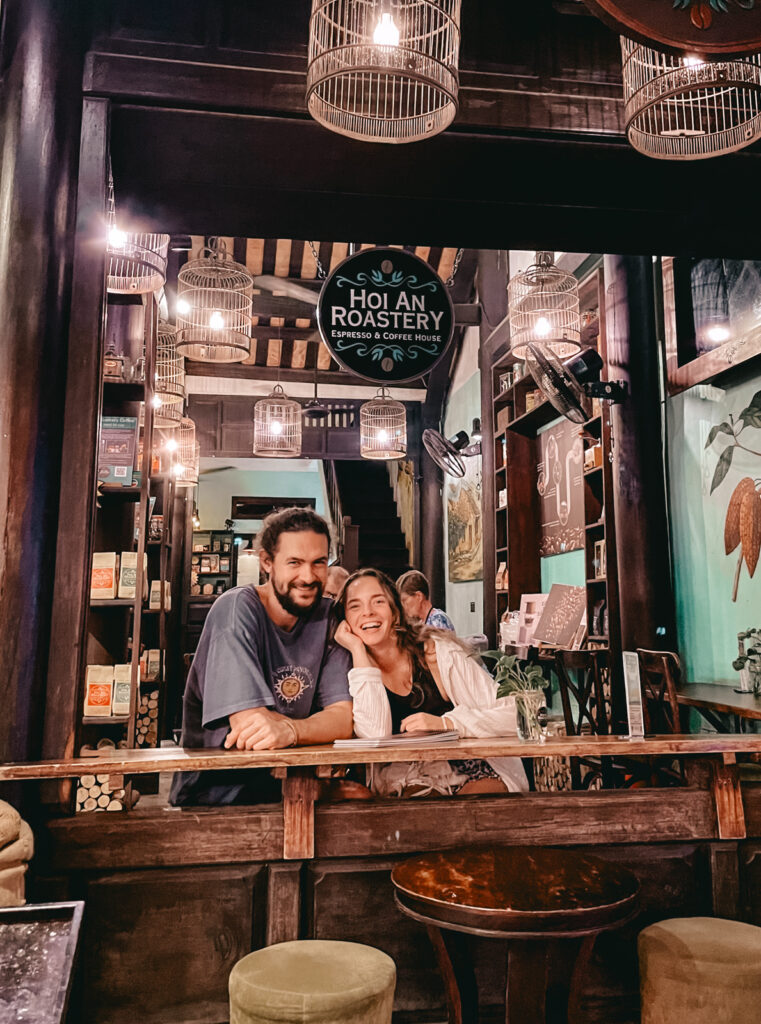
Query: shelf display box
point(116, 453)
point(99, 685)
point(104, 575)
point(122, 690)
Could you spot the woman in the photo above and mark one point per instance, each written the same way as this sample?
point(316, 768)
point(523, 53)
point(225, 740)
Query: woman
point(409, 679)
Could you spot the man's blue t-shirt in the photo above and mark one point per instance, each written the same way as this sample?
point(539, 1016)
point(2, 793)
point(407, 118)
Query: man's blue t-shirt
point(245, 661)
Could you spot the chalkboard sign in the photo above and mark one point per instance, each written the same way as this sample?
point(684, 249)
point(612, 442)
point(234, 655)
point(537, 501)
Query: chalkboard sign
point(385, 315)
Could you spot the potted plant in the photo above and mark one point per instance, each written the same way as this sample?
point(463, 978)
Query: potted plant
point(748, 660)
point(526, 682)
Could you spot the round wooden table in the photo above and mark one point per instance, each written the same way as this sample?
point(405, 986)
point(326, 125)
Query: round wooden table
point(548, 904)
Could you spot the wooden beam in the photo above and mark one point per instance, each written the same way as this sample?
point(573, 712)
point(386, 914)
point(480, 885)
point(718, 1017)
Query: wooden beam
point(727, 795)
point(248, 371)
point(300, 789)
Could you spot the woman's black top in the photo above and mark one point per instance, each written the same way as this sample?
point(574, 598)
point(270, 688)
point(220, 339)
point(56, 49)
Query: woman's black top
point(424, 696)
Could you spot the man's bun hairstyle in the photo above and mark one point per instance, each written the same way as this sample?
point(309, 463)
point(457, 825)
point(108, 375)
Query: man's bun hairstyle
point(290, 520)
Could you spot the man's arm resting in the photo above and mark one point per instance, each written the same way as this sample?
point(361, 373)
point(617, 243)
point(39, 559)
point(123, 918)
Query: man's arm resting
point(262, 729)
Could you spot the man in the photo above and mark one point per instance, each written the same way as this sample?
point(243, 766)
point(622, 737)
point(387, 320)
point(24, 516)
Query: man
point(414, 591)
point(264, 675)
point(337, 576)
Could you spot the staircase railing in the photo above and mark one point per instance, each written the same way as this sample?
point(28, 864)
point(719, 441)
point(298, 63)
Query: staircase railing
point(347, 535)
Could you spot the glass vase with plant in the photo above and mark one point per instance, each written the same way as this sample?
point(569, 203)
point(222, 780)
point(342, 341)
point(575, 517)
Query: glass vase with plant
point(525, 681)
point(749, 658)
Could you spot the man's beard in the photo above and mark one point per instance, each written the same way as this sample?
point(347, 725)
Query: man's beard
point(301, 611)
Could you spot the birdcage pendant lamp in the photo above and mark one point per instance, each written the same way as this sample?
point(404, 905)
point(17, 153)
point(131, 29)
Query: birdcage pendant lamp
point(687, 108)
point(187, 467)
point(543, 303)
point(169, 383)
point(382, 428)
point(277, 426)
point(384, 70)
point(214, 308)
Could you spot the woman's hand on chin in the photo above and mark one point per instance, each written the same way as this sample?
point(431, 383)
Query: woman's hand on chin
point(349, 640)
point(421, 722)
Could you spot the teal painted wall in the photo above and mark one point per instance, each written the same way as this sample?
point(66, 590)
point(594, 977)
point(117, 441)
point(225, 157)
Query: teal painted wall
point(707, 619)
point(463, 405)
point(566, 568)
point(216, 490)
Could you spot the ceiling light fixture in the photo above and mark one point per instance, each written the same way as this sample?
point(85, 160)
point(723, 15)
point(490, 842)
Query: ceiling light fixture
point(214, 307)
point(544, 307)
point(382, 428)
point(688, 108)
point(277, 426)
point(384, 70)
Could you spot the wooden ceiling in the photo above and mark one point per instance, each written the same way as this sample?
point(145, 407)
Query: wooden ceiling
point(290, 341)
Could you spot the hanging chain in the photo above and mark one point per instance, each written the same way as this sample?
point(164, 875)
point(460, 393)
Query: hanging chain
point(316, 256)
point(455, 268)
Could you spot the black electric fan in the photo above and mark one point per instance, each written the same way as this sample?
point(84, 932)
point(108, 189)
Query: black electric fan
point(448, 452)
point(569, 386)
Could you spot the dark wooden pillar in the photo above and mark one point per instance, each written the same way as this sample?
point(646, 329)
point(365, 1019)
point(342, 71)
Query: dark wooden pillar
point(647, 606)
point(493, 266)
point(40, 110)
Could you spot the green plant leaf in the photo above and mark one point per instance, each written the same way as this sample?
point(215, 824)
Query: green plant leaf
point(720, 428)
point(722, 466)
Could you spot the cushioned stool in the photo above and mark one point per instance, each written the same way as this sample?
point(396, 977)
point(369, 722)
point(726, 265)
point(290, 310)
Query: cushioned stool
point(311, 982)
point(700, 969)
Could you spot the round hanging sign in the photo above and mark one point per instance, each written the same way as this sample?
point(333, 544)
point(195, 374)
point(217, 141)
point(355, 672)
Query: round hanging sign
point(385, 315)
point(706, 28)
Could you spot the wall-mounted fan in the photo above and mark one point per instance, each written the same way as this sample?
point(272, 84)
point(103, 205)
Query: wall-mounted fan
point(448, 452)
point(569, 386)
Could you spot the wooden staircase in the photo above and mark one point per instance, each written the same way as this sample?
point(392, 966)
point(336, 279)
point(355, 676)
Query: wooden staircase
point(367, 498)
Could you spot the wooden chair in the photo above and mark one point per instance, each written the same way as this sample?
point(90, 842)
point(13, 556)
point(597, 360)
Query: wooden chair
point(581, 676)
point(660, 673)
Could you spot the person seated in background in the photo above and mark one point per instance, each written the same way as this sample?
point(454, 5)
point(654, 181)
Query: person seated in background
point(415, 594)
point(265, 674)
point(337, 576)
point(410, 678)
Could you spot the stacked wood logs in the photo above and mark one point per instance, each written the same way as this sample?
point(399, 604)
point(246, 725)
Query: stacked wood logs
point(147, 720)
point(99, 792)
point(552, 774)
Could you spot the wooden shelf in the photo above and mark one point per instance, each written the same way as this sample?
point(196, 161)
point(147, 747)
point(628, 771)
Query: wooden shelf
point(591, 472)
point(156, 544)
point(113, 602)
point(599, 525)
point(598, 639)
point(598, 579)
point(203, 598)
point(105, 719)
point(535, 419)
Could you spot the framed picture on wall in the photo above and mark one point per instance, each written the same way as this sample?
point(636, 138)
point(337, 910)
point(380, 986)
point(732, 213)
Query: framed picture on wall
point(712, 317)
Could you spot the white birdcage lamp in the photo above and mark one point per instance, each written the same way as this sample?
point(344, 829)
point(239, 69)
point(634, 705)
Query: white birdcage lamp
point(187, 468)
point(169, 383)
point(136, 262)
point(687, 108)
point(384, 70)
point(214, 308)
point(382, 428)
point(543, 303)
point(277, 426)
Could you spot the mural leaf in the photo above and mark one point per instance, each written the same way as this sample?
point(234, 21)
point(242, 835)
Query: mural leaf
point(732, 520)
point(720, 428)
point(722, 466)
point(751, 416)
point(750, 529)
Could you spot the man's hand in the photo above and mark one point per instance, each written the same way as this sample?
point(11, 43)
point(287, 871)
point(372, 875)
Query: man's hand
point(421, 722)
point(260, 729)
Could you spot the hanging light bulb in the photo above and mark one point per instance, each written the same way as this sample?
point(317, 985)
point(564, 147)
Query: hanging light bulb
point(216, 321)
point(382, 428)
point(117, 239)
point(171, 445)
point(214, 307)
point(386, 33)
point(544, 307)
point(277, 426)
point(183, 306)
point(379, 78)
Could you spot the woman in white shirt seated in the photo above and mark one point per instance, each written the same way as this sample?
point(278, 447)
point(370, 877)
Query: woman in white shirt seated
point(409, 678)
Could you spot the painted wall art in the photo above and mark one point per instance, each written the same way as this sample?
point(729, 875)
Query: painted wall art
point(465, 525)
point(560, 485)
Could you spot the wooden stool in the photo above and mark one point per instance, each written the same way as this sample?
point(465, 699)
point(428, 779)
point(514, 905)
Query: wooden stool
point(313, 982)
point(700, 969)
point(549, 904)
